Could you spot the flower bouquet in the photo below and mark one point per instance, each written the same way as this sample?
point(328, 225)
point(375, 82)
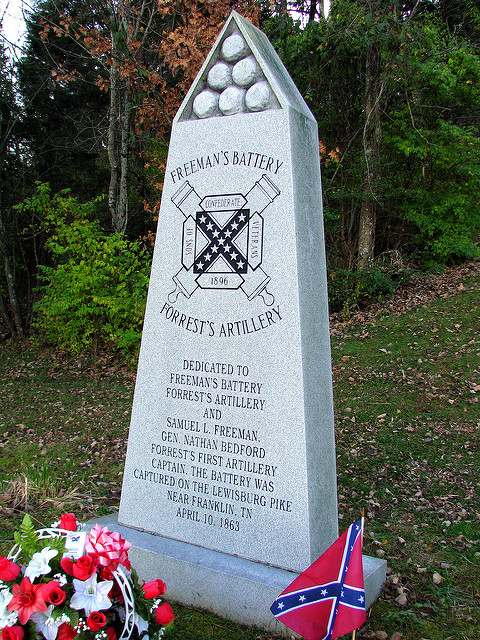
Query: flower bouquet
point(62, 583)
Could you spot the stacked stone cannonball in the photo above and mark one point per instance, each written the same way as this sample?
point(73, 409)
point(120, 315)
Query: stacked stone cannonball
point(235, 83)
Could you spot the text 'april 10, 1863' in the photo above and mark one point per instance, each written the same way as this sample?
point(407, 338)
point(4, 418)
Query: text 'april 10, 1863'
point(213, 472)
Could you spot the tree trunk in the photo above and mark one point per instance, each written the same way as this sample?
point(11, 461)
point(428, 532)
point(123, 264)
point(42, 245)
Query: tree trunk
point(281, 7)
point(8, 264)
point(6, 316)
point(371, 146)
point(112, 140)
point(118, 145)
point(122, 204)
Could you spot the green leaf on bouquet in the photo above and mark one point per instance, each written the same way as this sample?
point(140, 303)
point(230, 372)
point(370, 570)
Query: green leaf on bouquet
point(73, 615)
point(142, 606)
point(27, 539)
point(57, 543)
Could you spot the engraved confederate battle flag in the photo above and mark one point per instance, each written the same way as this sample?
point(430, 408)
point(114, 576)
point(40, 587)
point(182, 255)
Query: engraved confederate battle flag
point(327, 600)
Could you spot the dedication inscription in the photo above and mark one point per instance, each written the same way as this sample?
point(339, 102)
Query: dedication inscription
point(231, 442)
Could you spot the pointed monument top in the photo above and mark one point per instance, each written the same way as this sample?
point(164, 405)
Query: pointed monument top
point(242, 74)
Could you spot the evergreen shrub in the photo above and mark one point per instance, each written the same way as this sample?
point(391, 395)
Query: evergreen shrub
point(349, 290)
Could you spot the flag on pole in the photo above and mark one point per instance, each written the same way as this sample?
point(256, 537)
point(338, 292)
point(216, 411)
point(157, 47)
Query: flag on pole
point(327, 600)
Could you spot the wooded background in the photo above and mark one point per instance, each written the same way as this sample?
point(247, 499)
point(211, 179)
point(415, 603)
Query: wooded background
point(85, 117)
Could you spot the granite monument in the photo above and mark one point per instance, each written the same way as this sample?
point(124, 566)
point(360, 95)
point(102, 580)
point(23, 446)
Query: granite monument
point(229, 488)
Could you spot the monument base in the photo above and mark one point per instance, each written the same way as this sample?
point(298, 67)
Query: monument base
point(233, 588)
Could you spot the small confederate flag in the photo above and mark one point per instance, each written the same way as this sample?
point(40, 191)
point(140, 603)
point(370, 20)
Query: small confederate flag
point(327, 600)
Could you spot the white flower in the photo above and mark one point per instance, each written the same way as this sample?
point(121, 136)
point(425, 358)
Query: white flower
point(155, 603)
point(38, 565)
point(61, 578)
point(141, 624)
point(7, 618)
point(91, 596)
point(46, 625)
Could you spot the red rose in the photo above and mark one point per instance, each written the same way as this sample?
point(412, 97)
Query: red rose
point(164, 614)
point(12, 633)
point(67, 565)
point(96, 620)
point(66, 632)
point(154, 588)
point(81, 569)
point(111, 635)
point(53, 593)
point(84, 567)
point(106, 574)
point(8, 569)
point(68, 522)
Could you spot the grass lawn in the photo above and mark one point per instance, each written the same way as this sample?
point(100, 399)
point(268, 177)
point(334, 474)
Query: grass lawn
point(407, 390)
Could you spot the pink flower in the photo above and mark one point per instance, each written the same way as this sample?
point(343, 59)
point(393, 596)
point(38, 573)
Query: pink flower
point(164, 614)
point(111, 635)
point(8, 569)
point(107, 547)
point(154, 588)
point(68, 522)
point(66, 632)
point(27, 599)
point(96, 620)
point(81, 569)
point(12, 633)
point(53, 593)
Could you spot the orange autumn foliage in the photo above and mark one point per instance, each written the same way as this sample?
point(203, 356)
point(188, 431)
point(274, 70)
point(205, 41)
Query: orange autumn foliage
point(157, 48)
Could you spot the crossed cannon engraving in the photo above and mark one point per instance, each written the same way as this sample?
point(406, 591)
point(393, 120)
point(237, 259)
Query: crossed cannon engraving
point(222, 244)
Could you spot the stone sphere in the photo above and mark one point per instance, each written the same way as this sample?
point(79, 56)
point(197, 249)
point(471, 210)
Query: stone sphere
point(258, 97)
point(245, 72)
point(234, 47)
point(232, 101)
point(220, 76)
point(205, 104)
